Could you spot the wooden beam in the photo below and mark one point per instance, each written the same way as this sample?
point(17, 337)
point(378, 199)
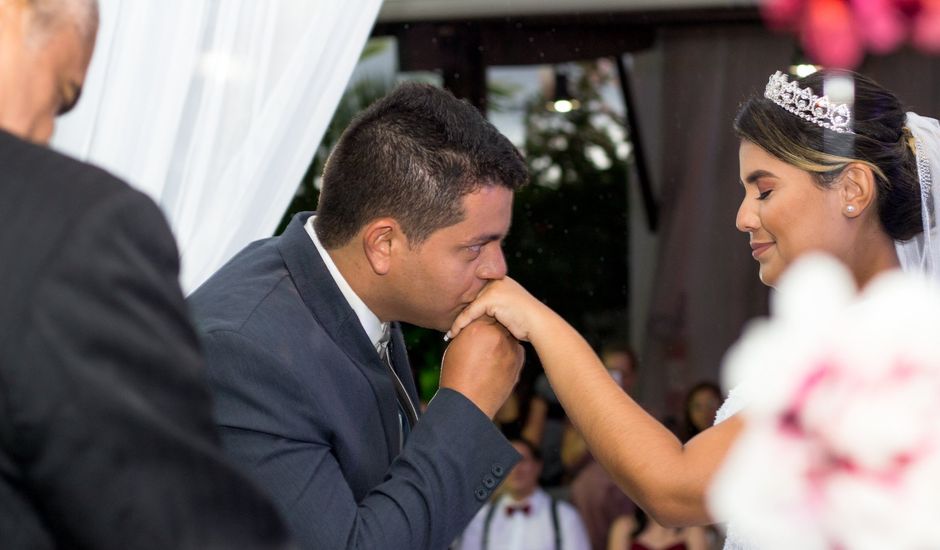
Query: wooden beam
point(431, 45)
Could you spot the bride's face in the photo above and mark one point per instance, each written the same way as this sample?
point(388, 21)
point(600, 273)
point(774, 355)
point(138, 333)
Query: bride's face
point(785, 213)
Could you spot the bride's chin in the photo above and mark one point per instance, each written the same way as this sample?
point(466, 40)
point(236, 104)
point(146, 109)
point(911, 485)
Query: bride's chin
point(768, 276)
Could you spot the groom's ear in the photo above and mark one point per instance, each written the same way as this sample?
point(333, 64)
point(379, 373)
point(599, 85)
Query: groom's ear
point(382, 238)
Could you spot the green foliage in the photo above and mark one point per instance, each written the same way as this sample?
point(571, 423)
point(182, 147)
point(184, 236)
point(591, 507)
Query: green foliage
point(375, 46)
point(425, 350)
point(499, 96)
point(568, 243)
point(569, 234)
point(357, 97)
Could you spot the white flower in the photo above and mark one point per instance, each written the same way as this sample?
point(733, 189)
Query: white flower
point(841, 445)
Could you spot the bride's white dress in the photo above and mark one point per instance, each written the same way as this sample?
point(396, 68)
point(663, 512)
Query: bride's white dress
point(737, 399)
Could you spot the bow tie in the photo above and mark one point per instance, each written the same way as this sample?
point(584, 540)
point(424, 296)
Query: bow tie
point(524, 509)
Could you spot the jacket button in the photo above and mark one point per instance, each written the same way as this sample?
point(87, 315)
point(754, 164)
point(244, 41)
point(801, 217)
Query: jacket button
point(489, 482)
point(481, 494)
point(497, 470)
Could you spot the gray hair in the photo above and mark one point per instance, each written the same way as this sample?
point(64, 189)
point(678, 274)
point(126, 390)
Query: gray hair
point(83, 14)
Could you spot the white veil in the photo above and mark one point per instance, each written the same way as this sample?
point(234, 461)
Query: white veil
point(922, 253)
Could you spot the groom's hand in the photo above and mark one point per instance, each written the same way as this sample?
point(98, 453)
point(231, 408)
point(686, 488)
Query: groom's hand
point(483, 364)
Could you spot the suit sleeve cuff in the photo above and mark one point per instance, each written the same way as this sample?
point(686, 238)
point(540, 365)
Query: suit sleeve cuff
point(474, 432)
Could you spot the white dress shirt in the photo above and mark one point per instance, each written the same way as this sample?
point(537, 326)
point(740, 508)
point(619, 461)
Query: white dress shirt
point(532, 531)
point(370, 323)
point(376, 330)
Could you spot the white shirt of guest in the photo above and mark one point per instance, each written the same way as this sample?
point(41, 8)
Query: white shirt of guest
point(370, 322)
point(532, 531)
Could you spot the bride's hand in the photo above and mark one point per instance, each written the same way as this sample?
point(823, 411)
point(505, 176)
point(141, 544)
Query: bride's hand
point(506, 301)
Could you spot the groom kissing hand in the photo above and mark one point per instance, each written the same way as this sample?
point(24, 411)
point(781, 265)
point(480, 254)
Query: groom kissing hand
point(313, 392)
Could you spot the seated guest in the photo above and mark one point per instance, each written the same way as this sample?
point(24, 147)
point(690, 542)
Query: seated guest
point(525, 517)
point(640, 532)
point(313, 392)
point(701, 404)
point(106, 437)
point(593, 492)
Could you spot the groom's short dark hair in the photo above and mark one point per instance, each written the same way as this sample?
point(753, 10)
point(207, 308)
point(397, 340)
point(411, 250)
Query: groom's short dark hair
point(412, 156)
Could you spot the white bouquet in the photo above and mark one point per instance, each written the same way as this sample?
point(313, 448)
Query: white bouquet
point(841, 445)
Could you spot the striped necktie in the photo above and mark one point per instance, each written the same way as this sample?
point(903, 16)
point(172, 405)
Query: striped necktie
point(407, 415)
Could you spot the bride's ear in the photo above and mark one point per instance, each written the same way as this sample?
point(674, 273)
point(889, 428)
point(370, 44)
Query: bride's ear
point(858, 189)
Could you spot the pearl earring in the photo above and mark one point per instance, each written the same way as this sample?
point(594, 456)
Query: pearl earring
point(850, 209)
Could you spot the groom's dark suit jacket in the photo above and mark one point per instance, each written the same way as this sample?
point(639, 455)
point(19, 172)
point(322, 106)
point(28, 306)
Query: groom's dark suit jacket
point(307, 407)
point(106, 434)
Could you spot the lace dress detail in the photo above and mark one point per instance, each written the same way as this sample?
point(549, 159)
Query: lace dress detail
point(738, 398)
point(736, 401)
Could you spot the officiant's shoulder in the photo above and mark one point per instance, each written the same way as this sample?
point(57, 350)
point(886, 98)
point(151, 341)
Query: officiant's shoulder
point(64, 183)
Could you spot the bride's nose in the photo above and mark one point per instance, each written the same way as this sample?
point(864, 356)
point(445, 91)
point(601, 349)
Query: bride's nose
point(747, 220)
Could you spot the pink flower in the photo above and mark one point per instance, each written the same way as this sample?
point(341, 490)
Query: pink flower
point(841, 445)
point(829, 34)
point(782, 14)
point(927, 27)
point(837, 32)
point(880, 23)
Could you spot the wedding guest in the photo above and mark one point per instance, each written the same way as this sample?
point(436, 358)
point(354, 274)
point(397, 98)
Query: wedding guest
point(593, 492)
point(640, 532)
point(509, 417)
point(546, 425)
point(563, 449)
point(839, 175)
point(313, 392)
point(524, 516)
point(106, 436)
point(700, 405)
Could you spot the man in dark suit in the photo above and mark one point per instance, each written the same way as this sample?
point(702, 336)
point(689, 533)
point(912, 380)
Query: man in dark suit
point(307, 365)
point(106, 435)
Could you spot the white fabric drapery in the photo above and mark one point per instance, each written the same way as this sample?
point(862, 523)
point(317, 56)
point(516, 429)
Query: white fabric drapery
point(215, 109)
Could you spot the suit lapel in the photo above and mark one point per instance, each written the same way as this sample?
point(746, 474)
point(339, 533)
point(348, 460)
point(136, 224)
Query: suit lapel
point(327, 303)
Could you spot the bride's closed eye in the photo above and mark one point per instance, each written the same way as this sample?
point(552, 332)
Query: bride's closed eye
point(764, 194)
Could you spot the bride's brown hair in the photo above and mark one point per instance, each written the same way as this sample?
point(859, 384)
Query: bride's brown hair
point(880, 140)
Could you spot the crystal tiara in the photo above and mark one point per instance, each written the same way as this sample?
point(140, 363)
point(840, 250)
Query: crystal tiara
point(803, 103)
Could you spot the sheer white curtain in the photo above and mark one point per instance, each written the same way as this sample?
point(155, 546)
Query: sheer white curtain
point(215, 108)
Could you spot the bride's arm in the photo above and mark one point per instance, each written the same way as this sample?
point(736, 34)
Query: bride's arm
point(647, 461)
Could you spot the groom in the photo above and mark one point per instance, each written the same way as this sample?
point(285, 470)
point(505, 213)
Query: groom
point(313, 392)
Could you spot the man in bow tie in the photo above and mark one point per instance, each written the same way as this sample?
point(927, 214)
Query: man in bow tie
point(525, 517)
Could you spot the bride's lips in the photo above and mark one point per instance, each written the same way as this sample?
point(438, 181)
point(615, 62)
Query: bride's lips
point(759, 248)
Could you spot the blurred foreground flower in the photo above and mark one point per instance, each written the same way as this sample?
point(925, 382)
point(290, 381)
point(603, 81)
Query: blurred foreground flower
point(836, 33)
point(841, 446)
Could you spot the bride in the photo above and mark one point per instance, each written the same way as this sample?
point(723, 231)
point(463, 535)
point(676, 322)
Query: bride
point(841, 174)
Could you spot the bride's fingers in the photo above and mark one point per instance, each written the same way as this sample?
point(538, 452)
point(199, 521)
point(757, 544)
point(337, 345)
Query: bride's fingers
point(470, 313)
point(475, 310)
